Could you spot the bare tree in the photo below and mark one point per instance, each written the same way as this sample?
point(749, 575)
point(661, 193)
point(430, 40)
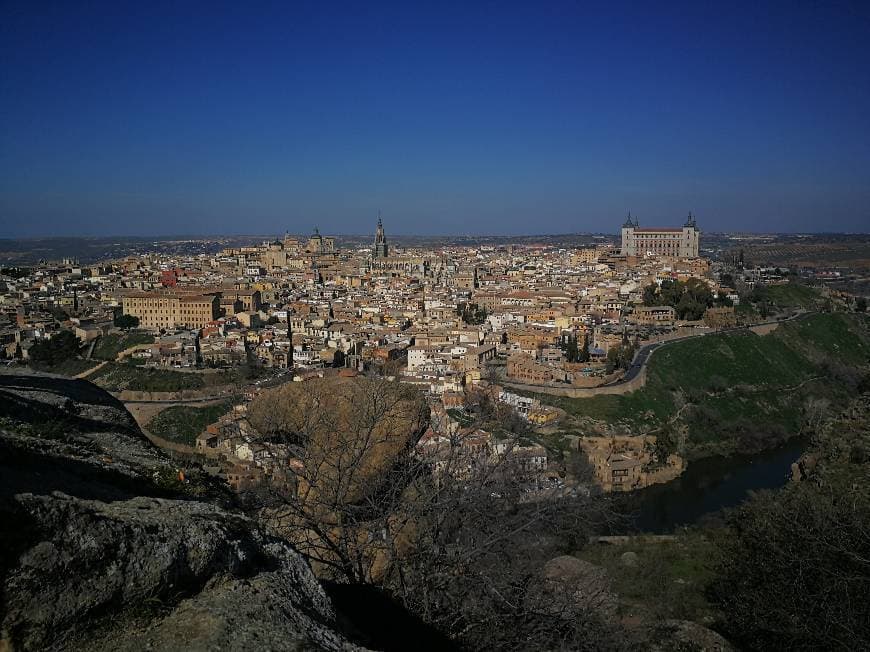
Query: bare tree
point(346, 444)
point(450, 526)
point(815, 413)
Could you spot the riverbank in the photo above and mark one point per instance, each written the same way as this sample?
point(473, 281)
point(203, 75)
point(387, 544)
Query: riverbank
point(706, 488)
point(747, 572)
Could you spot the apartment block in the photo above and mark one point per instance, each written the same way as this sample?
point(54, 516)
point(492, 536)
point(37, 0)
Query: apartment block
point(156, 311)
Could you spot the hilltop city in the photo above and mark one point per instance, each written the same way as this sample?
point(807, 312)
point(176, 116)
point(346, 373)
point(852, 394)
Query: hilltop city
point(434, 326)
point(384, 408)
point(520, 322)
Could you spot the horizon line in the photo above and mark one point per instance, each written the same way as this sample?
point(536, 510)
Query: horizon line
point(195, 236)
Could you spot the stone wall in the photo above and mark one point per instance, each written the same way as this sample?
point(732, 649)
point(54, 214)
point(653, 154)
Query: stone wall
point(595, 381)
point(584, 392)
point(764, 329)
point(211, 453)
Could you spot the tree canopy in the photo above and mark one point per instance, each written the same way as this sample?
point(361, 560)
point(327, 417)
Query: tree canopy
point(471, 313)
point(795, 565)
point(621, 355)
point(689, 298)
point(126, 321)
point(58, 349)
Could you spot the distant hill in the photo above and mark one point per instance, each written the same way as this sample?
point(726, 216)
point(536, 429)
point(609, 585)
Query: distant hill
point(29, 251)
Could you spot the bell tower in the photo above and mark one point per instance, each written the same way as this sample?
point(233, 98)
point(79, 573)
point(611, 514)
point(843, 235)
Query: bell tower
point(381, 247)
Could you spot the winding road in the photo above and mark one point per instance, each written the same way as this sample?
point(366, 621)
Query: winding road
point(645, 352)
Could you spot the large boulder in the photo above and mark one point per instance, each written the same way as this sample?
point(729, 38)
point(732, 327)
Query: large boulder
point(568, 585)
point(628, 559)
point(157, 573)
point(686, 635)
point(104, 547)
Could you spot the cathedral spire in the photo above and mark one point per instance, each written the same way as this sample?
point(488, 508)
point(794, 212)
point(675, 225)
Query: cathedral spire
point(381, 249)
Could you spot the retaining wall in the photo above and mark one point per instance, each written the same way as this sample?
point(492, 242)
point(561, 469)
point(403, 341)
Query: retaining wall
point(211, 453)
point(638, 381)
point(583, 392)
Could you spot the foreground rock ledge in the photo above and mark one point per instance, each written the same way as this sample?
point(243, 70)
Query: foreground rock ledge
point(86, 563)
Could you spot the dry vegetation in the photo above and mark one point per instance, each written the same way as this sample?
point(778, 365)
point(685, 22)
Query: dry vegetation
point(817, 251)
point(461, 548)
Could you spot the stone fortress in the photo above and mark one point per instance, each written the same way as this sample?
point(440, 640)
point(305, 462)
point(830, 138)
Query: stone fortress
point(660, 241)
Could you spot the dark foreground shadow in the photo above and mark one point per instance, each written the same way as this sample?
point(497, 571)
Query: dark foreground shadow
point(371, 618)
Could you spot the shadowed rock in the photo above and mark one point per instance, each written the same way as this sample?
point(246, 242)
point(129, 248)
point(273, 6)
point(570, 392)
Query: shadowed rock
point(102, 548)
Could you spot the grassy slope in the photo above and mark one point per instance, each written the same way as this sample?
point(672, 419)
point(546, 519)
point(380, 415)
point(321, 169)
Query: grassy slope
point(109, 346)
point(783, 299)
point(181, 424)
point(794, 295)
point(737, 381)
point(668, 581)
point(117, 377)
point(71, 367)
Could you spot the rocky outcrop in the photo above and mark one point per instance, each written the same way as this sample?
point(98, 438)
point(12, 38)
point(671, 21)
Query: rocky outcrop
point(104, 546)
point(686, 635)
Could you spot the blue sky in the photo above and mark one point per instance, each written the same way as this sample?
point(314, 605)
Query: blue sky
point(450, 117)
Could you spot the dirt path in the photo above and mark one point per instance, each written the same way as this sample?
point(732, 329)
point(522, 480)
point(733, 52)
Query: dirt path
point(144, 412)
point(88, 372)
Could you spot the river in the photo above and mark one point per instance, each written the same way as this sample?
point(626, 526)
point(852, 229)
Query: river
point(710, 485)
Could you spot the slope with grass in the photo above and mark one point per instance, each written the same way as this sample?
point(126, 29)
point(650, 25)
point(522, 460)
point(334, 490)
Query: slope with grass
point(116, 377)
point(69, 367)
point(109, 346)
point(659, 580)
point(793, 296)
point(181, 424)
point(739, 391)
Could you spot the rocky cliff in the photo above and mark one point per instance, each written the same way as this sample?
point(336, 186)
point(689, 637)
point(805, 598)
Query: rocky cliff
point(104, 547)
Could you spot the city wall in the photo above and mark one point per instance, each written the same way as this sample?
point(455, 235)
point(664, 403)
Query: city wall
point(638, 381)
point(131, 350)
point(175, 447)
point(583, 392)
point(595, 381)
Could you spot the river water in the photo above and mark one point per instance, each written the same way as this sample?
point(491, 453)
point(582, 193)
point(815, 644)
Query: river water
point(710, 485)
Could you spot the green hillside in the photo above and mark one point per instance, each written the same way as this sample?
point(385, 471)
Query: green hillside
point(793, 295)
point(740, 391)
point(182, 423)
point(116, 377)
point(109, 346)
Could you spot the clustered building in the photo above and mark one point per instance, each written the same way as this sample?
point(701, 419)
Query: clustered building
point(433, 317)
